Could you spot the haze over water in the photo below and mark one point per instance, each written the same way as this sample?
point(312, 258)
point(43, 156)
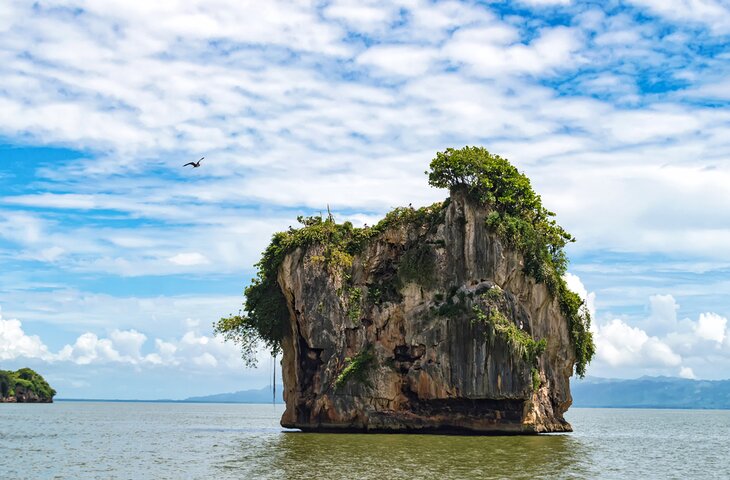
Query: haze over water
point(70, 440)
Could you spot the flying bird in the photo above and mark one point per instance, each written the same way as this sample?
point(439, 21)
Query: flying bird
point(194, 164)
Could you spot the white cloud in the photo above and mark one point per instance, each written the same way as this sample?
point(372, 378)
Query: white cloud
point(157, 316)
point(51, 254)
point(713, 90)
point(21, 227)
point(686, 372)
point(664, 308)
point(88, 349)
point(189, 259)
point(302, 129)
point(711, 326)
point(192, 323)
point(164, 354)
point(620, 345)
point(128, 343)
point(154, 250)
point(205, 360)
point(713, 13)
point(399, 59)
point(124, 347)
point(15, 343)
point(541, 3)
point(650, 124)
point(362, 15)
point(490, 52)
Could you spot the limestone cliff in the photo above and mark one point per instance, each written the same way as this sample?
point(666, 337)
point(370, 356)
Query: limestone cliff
point(434, 327)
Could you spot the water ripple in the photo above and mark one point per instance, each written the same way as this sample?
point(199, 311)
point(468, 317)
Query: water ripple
point(175, 441)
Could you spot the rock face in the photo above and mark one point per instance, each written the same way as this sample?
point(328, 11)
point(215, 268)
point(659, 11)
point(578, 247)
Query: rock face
point(23, 395)
point(396, 342)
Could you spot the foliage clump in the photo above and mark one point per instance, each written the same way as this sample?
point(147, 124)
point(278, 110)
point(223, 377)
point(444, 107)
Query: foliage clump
point(520, 341)
point(26, 379)
point(418, 264)
point(429, 216)
point(356, 368)
point(452, 304)
point(354, 309)
point(579, 322)
point(518, 217)
point(535, 378)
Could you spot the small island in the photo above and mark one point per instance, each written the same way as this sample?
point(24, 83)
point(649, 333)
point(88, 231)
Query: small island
point(24, 386)
point(451, 318)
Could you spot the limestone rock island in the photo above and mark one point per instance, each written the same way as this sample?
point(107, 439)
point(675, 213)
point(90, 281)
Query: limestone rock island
point(450, 318)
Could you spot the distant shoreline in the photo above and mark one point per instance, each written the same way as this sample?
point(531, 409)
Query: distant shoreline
point(645, 407)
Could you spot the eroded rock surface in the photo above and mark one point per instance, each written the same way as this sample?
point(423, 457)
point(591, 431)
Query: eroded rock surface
point(428, 364)
point(23, 395)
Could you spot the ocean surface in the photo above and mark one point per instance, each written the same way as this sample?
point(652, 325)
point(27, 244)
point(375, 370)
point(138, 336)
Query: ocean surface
point(82, 440)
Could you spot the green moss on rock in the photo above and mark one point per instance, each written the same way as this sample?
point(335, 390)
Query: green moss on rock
point(356, 368)
point(520, 341)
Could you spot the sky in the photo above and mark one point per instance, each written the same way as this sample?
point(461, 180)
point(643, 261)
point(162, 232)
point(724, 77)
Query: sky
point(115, 261)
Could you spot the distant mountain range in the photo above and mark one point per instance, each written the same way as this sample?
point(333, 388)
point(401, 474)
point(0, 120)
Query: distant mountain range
point(262, 395)
point(651, 392)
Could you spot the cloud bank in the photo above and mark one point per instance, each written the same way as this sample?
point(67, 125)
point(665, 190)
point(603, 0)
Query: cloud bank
point(192, 351)
point(672, 347)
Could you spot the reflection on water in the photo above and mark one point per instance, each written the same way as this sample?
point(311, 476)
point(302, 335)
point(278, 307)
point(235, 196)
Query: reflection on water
point(335, 456)
point(607, 444)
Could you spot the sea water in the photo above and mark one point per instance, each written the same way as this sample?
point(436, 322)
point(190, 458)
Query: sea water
point(84, 440)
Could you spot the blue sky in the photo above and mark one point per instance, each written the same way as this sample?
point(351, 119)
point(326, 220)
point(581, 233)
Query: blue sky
point(115, 260)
